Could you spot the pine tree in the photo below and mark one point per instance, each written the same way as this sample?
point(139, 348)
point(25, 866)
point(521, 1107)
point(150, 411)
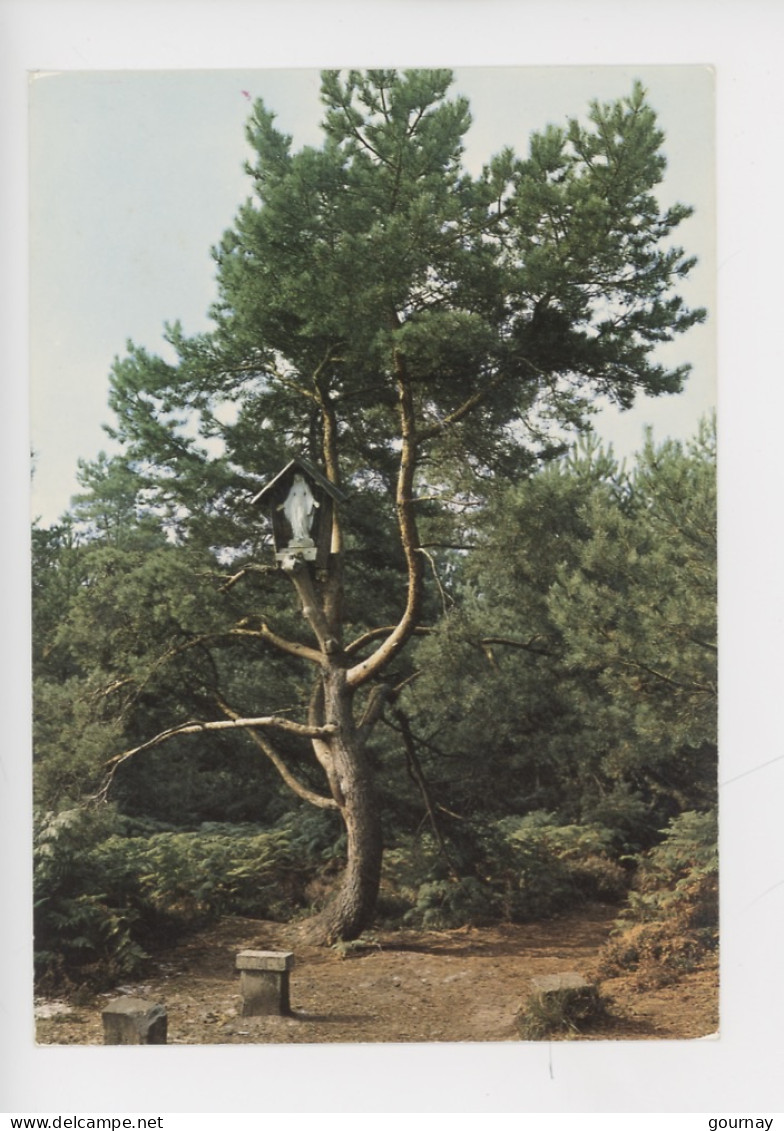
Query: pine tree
point(412, 331)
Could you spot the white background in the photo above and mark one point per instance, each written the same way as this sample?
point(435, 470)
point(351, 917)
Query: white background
point(742, 1072)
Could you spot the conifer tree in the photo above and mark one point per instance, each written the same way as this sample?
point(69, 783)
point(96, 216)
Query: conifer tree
point(412, 331)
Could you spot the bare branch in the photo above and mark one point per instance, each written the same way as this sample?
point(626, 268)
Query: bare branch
point(706, 644)
point(446, 600)
point(376, 633)
point(270, 752)
point(637, 665)
point(272, 721)
point(509, 642)
point(449, 545)
point(281, 643)
point(243, 629)
point(473, 402)
point(398, 688)
point(235, 577)
point(377, 701)
point(333, 590)
point(416, 772)
point(463, 410)
point(312, 611)
point(409, 535)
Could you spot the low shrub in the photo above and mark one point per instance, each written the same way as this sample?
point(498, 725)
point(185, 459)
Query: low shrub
point(442, 904)
point(187, 878)
point(104, 899)
point(419, 889)
point(518, 869)
point(671, 922)
point(546, 867)
point(77, 930)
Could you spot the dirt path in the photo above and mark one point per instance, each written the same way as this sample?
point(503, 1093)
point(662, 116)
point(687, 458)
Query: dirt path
point(461, 985)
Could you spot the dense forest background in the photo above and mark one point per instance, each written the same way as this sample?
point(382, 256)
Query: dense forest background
point(545, 730)
point(573, 757)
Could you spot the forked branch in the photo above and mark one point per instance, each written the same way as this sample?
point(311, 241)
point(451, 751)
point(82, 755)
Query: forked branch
point(273, 722)
point(288, 777)
point(409, 535)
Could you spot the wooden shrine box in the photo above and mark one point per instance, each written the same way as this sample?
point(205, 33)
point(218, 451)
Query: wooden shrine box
point(300, 503)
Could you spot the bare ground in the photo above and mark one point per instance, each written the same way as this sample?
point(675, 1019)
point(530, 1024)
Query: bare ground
point(459, 985)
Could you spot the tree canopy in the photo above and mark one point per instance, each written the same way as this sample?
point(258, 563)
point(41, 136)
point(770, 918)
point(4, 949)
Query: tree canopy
point(505, 299)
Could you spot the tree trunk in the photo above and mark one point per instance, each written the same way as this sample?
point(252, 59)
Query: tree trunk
point(350, 910)
point(343, 757)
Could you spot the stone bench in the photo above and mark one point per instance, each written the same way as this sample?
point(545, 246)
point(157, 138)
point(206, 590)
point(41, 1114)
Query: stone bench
point(545, 984)
point(134, 1021)
point(264, 982)
point(569, 993)
point(560, 1004)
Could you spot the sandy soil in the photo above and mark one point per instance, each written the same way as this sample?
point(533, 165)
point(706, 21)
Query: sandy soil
point(460, 985)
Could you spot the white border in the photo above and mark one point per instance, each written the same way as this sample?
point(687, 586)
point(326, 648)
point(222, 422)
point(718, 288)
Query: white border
point(742, 1071)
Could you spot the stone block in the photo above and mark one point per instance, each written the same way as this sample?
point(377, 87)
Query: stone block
point(264, 982)
point(563, 1004)
point(265, 960)
point(134, 1021)
point(557, 983)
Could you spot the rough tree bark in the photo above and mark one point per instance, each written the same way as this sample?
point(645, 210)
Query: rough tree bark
point(343, 753)
point(345, 761)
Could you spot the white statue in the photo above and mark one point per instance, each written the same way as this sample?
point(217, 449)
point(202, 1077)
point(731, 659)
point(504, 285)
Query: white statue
point(298, 509)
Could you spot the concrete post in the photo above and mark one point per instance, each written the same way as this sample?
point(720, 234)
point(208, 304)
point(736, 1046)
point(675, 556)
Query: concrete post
point(134, 1021)
point(264, 981)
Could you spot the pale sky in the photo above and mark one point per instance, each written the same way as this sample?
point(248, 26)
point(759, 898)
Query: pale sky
point(135, 175)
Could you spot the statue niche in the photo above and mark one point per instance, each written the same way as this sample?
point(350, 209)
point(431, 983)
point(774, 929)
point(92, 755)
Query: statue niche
point(300, 502)
point(299, 509)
